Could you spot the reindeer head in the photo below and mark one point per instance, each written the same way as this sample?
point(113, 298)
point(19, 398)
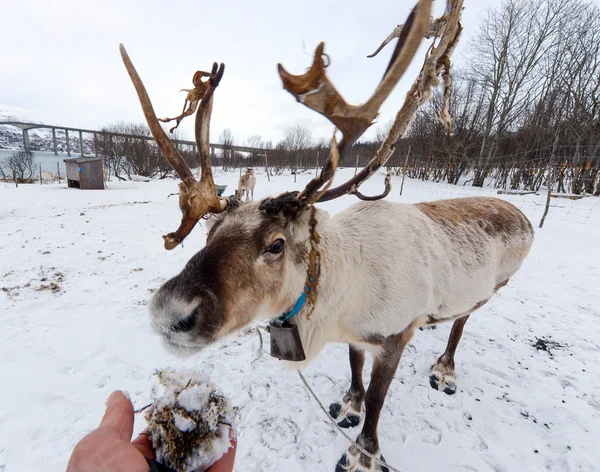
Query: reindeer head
point(255, 261)
point(253, 266)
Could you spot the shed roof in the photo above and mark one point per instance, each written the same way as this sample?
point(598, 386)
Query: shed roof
point(83, 159)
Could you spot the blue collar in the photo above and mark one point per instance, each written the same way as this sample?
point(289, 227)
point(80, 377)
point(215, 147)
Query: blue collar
point(296, 309)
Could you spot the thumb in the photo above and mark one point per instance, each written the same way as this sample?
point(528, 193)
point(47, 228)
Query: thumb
point(118, 417)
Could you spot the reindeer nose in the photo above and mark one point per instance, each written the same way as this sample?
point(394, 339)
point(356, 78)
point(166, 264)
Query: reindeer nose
point(186, 324)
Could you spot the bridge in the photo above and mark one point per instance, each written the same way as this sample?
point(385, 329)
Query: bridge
point(25, 127)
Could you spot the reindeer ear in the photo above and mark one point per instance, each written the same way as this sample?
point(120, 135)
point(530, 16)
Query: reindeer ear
point(286, 205)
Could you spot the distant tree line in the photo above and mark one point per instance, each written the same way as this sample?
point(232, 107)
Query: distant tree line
point(525, 104)
point(125, 154)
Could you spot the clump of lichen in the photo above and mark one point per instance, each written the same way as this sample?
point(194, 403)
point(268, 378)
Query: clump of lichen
point(190, 424)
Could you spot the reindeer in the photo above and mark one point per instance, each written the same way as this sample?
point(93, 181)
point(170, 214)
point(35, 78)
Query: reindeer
point(47, 176)
point(368, 276)
point(246, 184)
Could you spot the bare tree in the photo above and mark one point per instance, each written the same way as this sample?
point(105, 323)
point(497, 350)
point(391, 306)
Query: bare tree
point(533, 77)
point(383, 130)
point(297, 141)
point(227, 154)
point(509, 49)
point(256, 159)
point(19, 165)
point(127, 149)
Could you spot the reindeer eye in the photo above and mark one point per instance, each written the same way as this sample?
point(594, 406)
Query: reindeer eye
point(277, 246)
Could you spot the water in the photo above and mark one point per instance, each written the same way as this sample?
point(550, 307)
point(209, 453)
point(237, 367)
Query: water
point(46, 158)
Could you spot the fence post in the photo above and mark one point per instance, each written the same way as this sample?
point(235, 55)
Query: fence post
point(404, 170)
point(551, 176)
point(40, 172)
point(267, 167)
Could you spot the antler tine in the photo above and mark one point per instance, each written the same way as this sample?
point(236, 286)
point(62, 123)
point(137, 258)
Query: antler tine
point(386, 41)
point(196, 199)
point(437, 60)
point(202, 125)
point(163, 142)
point(311, 192)
point(315, 90)
point(435, 28)
point(386, 192)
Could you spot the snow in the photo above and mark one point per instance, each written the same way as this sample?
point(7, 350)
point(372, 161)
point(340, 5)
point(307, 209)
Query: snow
point(182, 423)
point(77, 268)
point(195, 405)
point(12, 113)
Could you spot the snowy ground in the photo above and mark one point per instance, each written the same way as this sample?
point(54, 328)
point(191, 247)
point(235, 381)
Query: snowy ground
point(77, 268)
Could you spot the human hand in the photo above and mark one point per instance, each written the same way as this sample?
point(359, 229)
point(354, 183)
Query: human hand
point(108, 447)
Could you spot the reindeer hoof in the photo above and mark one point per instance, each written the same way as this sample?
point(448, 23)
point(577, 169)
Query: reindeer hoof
point(345, 465)
point(447, 385)
point(347, 415)
point(350, 421)
point(383, 467)
point(334, 410)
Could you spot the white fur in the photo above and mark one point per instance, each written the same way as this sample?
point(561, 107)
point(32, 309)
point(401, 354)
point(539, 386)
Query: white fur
point(47, 176)
point(385, 265)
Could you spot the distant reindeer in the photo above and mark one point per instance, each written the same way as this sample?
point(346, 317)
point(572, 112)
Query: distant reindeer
point(47, 176)
point(246, 185)
point(372, 274)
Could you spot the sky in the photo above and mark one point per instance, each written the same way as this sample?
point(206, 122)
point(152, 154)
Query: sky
point(61, 58)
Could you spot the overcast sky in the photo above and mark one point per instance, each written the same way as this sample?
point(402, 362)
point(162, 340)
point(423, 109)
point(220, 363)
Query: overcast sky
point(61, 58)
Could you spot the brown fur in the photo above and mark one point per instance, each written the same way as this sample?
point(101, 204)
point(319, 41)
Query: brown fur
point(242, 288)
point(445, 363)
point(494, 216)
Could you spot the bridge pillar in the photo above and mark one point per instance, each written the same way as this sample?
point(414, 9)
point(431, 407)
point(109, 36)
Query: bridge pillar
point(81, 143)
point(26, 140)
point(54, 141)
point(68, 144)
point(96, 144)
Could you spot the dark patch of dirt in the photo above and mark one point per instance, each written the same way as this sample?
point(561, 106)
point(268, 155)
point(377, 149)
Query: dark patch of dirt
point(546, 344)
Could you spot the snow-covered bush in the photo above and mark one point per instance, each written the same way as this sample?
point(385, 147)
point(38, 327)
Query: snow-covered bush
point(190, 424)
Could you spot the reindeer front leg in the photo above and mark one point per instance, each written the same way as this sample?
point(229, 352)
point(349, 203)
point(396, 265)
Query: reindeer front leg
point(385, 363)
point(350, 410)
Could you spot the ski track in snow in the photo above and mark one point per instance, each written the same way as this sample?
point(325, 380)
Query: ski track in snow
point(65, 347)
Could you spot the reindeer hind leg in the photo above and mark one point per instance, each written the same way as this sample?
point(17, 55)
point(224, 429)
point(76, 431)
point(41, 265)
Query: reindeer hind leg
point(442, 373)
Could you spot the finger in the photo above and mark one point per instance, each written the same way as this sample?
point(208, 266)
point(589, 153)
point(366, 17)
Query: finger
point(225, 463)
point(118, 416)
point(143, 444)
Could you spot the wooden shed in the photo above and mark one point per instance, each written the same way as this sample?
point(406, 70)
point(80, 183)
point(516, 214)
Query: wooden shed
point(85, 173)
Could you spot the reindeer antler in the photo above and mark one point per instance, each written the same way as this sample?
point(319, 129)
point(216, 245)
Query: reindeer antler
point(314, 90)
point(192, 98)
point(435, 28)
point(196, 199)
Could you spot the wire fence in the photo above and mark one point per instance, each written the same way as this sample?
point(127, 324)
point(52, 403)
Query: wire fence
point(580, 209)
